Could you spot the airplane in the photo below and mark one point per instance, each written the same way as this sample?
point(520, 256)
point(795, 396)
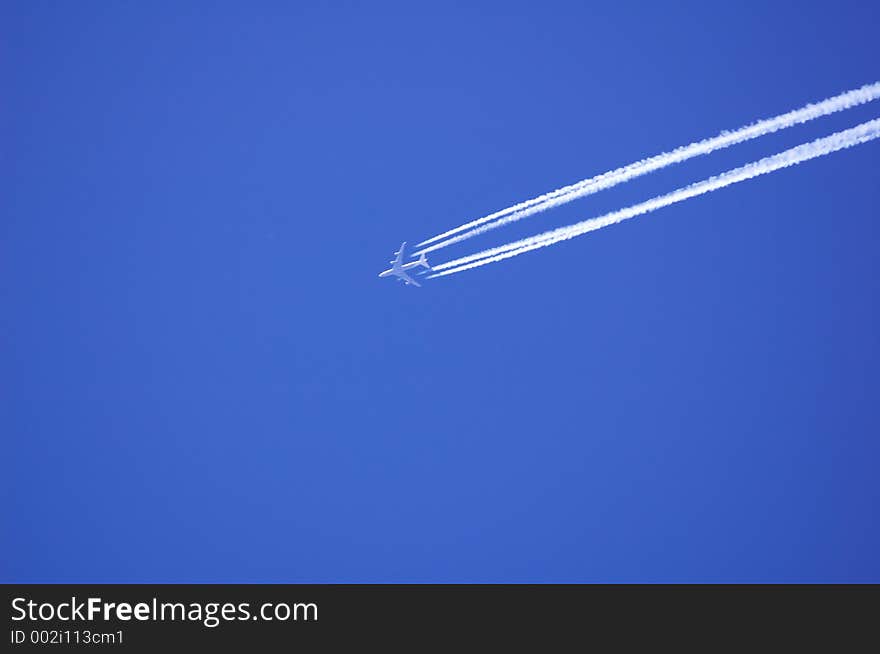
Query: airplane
point(398, 268)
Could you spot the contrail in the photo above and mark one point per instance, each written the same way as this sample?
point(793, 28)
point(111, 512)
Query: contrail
point(847, 100)
point(863, 133)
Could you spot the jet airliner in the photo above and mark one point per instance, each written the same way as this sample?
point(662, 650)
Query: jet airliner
point(398, 268)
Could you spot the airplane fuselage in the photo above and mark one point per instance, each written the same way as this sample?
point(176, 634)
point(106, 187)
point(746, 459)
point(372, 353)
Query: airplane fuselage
point(406, 266)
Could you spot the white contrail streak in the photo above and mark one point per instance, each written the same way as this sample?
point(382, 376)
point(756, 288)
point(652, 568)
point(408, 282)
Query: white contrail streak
point(845, 139)
point(867, 93)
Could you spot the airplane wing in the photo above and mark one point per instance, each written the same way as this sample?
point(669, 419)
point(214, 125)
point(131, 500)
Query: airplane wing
point(398, 256)
point(408, 279)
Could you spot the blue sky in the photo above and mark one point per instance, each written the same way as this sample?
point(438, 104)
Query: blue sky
point(203, 380)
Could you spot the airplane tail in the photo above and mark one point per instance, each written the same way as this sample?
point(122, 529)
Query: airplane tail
point(423, 261)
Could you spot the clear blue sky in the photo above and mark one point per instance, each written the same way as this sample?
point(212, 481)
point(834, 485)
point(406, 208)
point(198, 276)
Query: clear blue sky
point(202, 378)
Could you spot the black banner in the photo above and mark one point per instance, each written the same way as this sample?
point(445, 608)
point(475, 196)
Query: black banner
point(152, 617)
